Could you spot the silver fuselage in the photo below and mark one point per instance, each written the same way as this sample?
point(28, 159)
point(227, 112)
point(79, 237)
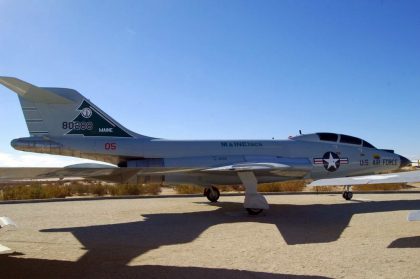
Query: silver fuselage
point(146, 152)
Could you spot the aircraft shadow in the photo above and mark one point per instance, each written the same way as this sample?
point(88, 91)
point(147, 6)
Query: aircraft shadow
point(37, 268)
point(406, 242)
point(111, 247)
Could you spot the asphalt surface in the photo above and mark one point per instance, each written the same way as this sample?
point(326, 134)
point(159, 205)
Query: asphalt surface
point(301, 236)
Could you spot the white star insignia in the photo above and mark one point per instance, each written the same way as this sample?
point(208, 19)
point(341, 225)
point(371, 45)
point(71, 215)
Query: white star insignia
point(331, 162)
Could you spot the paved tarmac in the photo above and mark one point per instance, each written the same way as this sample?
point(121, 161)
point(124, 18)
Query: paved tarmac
point(301, 236)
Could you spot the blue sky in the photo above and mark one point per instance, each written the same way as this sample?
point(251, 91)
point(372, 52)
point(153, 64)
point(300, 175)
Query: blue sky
point(221, 69)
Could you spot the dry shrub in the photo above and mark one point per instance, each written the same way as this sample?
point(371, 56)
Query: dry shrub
point(17, 193)
point(98, 190)
point(124, 189)
point(327, 188)
point(381, 187)
point(54, 191)
point(194, 189)
point(34, 191)
point(366, 187)
point(37, 190)
point(287, 186)
point(77, 188)
point(231, 188)
point(87, 188)
point(188, 189)
point(151, 189)
point(134, 189)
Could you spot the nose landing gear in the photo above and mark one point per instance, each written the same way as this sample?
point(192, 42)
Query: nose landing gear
point(254, 202)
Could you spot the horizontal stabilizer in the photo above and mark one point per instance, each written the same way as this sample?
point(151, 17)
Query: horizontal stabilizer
point(31, 92)
point(102, 172)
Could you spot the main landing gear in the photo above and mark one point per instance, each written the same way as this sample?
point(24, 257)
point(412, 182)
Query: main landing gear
point(212, 194)
point(347, 194)
point(254, 203)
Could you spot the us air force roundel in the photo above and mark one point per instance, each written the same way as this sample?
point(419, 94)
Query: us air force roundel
point(331, 161)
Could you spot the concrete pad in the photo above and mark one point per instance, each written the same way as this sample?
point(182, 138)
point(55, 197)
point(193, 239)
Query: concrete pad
point(314, 236)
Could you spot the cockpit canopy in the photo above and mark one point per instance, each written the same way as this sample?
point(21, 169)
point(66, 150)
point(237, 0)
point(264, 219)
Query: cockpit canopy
point(332, 137)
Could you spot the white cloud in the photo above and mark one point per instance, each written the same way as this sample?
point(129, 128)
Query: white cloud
point(20, 159)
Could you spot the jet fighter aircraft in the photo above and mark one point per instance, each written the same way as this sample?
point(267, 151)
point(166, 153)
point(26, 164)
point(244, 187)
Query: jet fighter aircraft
point(62, 121)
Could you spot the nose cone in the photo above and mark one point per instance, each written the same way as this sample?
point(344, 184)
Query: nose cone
point(404, 162)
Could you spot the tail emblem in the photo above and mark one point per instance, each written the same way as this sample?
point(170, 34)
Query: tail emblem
point(93, 123)
point(86, 113)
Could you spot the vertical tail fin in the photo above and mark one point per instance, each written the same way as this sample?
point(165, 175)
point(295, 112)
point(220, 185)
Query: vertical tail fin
point(62, 112)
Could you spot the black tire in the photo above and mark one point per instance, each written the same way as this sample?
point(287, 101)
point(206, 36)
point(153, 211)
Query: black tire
point(254, 211)
point(212, 195)
point(348, 195)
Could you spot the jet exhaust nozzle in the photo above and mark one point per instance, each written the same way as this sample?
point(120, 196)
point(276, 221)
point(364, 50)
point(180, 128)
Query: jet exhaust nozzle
point(38, 145)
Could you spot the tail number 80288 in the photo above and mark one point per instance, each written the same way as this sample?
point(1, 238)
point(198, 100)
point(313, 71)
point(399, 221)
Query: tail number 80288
point(78, 125)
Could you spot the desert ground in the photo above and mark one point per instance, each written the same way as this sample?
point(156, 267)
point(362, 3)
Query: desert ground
point(305, 235)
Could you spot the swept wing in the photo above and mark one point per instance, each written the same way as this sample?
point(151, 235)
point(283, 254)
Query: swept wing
point(399, 177)
point(288, 168)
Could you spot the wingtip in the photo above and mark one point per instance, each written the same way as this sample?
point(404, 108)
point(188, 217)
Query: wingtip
point(8, 79)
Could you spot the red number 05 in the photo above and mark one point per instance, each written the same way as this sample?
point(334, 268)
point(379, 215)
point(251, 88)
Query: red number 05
point(110, 146)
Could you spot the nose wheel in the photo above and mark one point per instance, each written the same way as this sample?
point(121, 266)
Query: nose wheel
point(347, 194)
point(212, 194)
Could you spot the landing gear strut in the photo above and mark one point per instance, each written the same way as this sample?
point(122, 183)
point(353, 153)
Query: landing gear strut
point(254, 202)
point(347, 194)
point(212, 193)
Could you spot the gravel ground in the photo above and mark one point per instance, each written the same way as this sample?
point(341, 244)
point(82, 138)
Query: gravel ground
point(320, 236)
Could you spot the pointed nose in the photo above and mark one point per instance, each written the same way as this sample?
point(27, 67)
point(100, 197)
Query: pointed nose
point(404, 162)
